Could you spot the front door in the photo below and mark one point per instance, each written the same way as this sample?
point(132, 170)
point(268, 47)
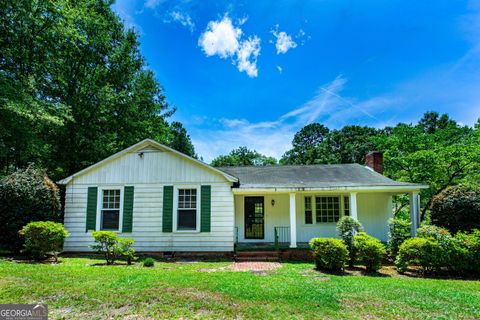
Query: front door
point(254, 218)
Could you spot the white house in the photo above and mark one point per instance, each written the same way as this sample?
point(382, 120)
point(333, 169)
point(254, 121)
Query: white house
point(169, 202)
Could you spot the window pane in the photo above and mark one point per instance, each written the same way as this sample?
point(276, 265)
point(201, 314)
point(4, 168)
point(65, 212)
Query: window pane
point(327, 209)
point(187, 220)
point(110, 219)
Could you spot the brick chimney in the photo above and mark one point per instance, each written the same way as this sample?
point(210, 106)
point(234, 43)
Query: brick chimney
point(374, 160)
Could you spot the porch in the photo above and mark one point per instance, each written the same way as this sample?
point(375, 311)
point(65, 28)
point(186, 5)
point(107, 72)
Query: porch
point(275, 220)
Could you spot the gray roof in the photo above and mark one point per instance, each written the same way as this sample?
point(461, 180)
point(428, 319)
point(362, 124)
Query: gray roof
point(311, 176)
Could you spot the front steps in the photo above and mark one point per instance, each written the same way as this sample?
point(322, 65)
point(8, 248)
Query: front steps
point(257, 255)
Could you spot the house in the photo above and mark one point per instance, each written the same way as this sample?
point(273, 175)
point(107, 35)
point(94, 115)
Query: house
point(169, 202)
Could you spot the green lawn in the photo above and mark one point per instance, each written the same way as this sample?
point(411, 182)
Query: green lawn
point(76, 289)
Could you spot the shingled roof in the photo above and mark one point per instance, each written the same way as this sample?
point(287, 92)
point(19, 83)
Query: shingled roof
point(311, 176)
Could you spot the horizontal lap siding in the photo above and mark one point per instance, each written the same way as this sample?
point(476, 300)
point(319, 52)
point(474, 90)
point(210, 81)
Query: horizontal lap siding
point(144, 174)
point(147, 222)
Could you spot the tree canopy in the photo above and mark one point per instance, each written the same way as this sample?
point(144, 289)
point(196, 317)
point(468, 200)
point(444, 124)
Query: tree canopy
point(243, 157)
point(74, 87)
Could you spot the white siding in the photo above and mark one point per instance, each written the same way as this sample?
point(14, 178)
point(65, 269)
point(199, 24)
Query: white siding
point(374, 210)
point(148, 175)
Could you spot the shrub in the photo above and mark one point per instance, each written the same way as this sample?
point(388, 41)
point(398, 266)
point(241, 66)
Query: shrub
point(329, 253)
point(126, 250)
point(466, 256)
point(112, 246)
point(370, 251)
point(347, 228)
point(457, 208)
point(148, 262)
point(43, 237)
point(400, 230)
point(423, 252)
point(26, 195)
point(106, 243)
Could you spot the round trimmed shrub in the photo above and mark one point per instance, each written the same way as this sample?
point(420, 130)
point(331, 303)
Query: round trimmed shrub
point(370, 251)
point(347, 228)
point(329, 254)
point(400, 230)
point(466, 256)
point(148, 262)
point(457, 208)
point(44, 237)
point(26, 195)
point(423, 252)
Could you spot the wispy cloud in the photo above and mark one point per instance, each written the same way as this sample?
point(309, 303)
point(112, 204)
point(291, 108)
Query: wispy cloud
point(222, 38)
point(274, 137)
point(182, 18)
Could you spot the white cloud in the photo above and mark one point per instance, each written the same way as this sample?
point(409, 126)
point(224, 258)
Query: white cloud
point(183, 18)
point(220, 38)
point(247, 56)
point(280, 69)
point(224, 39)
point(284, 42)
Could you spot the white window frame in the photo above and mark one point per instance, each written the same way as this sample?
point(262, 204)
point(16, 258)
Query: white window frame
point(314, 204)
point(100, 207)
point(175, 208)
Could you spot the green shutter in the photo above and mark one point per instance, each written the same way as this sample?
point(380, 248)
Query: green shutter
point(205, 208)
point(167, 209)
point(127, 209)
point(91, 208)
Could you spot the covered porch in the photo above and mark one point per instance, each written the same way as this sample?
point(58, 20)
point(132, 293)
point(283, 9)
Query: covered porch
point(273, 219)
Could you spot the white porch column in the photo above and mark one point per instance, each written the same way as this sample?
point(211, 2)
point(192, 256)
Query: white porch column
point(414, 212)
point(293, 222)
point(353, 205)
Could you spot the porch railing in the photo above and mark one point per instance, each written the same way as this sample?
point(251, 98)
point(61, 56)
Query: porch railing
point(282, 237)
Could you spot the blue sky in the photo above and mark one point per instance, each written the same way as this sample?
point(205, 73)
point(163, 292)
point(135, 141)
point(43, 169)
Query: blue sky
point(254, 72)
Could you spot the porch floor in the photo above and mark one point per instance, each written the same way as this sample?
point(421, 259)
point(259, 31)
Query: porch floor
point(269, 246)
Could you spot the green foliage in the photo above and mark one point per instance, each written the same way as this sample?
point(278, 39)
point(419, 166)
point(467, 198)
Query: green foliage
point(180, 140)
point(243, 157)
point(125, 249)
point(42, 237)
point(347, 228)
point(421, 252)
point(112, 246)
point(106, 243)
point(329, 253)
point(149, 262)
point(25, 195)
point(457, 208)
point(400, 230)
point(74, 87)
point(369, 251)
point(316, 144)
point(467, 253)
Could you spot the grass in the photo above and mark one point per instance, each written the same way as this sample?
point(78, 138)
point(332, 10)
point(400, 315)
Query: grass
point(75, 289)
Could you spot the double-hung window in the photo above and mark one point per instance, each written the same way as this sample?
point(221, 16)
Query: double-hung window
point(327, 209)
point(110, 210)
point(346, 206)
point(308, 210)
point(187, 209)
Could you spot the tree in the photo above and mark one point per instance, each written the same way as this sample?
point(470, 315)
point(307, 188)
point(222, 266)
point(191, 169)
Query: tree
point(74, 87)
point(440, 159)
point(243, 157)
point(316, 144)
point(180, 140)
